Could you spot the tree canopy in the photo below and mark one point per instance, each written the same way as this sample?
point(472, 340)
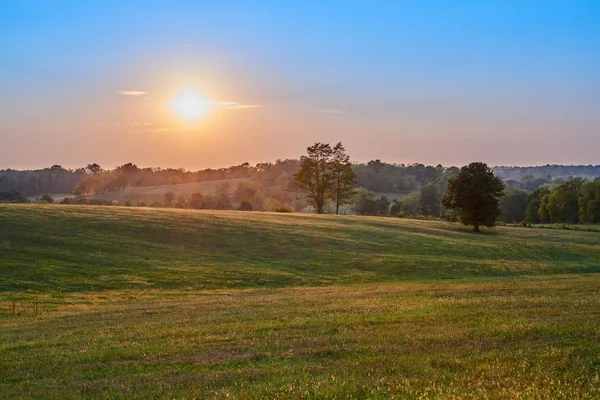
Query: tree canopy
point(474, 195)
point(326, 173)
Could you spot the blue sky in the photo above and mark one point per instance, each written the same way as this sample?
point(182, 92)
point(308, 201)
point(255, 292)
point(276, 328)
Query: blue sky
point(429, 81)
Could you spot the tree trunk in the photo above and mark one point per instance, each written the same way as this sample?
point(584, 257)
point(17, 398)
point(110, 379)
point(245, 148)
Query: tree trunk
point(476, 228)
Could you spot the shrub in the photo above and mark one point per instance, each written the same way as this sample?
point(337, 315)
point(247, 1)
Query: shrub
point(245, 206)
point(46, 199)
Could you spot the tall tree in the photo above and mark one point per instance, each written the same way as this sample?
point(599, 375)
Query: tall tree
point(474, 195)
point(94, 168)
point(315, 174)
point(168, 198)
point(429, 201)
point(563, 204)
point(589, 202)
point(534, 201)
point(344, 177)
point(514, 205)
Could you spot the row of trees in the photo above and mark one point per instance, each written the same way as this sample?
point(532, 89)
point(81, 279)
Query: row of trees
point(472, 195)
point(48, 180)
point(575, 201)
point(375, 175)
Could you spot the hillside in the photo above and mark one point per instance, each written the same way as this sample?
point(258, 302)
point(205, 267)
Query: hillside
point(119, 302)
point(95, 248)
point(150, 194)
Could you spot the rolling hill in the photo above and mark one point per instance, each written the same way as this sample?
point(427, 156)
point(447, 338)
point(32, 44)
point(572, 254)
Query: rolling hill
point(120, 302)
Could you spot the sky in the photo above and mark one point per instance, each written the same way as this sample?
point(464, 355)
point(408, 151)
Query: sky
point(206, 84)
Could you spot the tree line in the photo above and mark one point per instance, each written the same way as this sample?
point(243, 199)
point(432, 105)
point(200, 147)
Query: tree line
point(375, 176)
point(325, 180)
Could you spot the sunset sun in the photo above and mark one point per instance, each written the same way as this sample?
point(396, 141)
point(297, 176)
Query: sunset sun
point(191, 106)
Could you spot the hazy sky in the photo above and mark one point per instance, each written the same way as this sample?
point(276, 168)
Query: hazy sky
point(506, 82)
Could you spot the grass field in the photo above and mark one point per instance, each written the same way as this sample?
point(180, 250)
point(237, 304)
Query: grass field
point(109, 302)
point(150, 194)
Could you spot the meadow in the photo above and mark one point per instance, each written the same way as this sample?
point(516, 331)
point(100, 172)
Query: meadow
point(151, 194)
point(118, 302)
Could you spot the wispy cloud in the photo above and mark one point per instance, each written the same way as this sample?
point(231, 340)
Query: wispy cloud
point(233, 105)
point(132, 92)
point(107, 123)
point(242, 106)
point(330, 111)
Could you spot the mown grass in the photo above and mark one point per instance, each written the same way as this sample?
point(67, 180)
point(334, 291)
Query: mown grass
point(71, 248)
point(137, 303)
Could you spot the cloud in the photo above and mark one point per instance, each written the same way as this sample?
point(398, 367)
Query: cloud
point(242, 106)
point(232, 105)
point(132, 92)
point(330, 111)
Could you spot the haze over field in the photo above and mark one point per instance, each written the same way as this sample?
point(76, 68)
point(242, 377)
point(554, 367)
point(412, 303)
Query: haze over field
point(201, 84)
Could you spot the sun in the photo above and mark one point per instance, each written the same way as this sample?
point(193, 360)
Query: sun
point(191, 106)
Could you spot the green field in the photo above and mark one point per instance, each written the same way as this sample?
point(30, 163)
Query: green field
point(109, 302)
point(151, 194)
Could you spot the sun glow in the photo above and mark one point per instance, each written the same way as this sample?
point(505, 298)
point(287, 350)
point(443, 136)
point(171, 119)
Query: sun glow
point(191, 106)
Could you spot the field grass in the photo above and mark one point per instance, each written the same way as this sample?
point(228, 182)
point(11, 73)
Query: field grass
point(108, 302)
point(150, 194)
point(569, 227)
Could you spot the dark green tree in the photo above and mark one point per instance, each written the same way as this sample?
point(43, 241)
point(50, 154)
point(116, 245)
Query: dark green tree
point(222, 196)
point(94, 168)
point(245, 206)
point(315, 175)
point(168, 198)
point(181, 202)
point(513, 205)
point(429, 201)
point(474, 195)
point(534, 201)
point(364, 202)
point(344, 177)
point(563, 202)
point(196, 201)
point(589, 202)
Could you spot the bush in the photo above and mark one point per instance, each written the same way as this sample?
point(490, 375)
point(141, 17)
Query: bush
point(13, 196)
point(283, 209)
point(449, 217)
point(245, 206)
point(46, 199)
point(141, 204)
point(400, 214)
